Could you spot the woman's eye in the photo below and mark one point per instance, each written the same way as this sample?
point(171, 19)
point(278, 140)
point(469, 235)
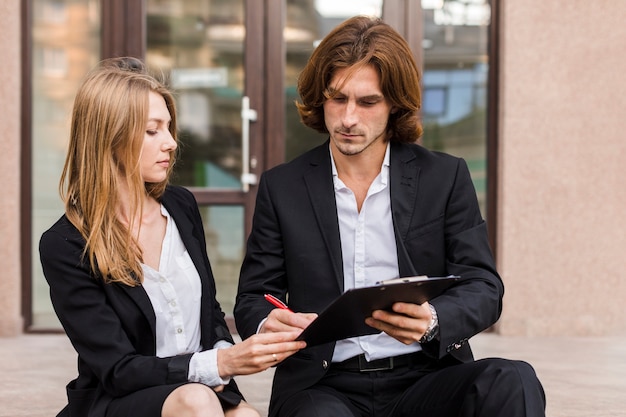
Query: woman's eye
point(151, 132)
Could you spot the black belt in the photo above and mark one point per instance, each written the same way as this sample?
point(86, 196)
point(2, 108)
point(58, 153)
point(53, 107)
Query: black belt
point(360, 364)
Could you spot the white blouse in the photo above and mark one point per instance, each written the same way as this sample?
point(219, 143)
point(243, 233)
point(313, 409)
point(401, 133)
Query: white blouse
point(175, 292)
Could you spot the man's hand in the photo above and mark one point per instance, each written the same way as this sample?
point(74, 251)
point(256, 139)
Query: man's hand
point(407, 323)
point(280, 320)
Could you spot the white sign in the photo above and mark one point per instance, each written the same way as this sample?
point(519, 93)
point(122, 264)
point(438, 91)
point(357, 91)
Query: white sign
point(199, 77)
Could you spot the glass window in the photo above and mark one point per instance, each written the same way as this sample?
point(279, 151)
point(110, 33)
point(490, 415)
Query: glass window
point(65, 45)
point(455, 82)
point(198, 45)
point(223, 229)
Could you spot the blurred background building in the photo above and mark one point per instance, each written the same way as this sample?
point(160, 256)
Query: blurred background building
point(528, 92)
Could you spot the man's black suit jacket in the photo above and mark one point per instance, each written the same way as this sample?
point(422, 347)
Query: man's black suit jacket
point(294, 250)
point(112, 326)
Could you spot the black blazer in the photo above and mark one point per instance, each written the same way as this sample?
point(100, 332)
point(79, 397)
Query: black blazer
point(294, 249)
point(112, 326)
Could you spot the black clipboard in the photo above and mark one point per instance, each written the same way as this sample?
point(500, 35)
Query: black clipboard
point(345, 317)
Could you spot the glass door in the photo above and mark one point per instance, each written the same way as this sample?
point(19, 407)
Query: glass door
point(199, 45)
point(64, 45)
point(233, 65)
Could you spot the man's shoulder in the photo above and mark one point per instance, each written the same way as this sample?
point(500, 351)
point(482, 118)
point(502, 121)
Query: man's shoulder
point(409, 151)
point(319, 155)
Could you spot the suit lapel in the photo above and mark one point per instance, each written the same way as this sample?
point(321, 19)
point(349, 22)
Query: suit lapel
point(140, 297)
point(404, 175)
point(187, 233)
point(319, 182)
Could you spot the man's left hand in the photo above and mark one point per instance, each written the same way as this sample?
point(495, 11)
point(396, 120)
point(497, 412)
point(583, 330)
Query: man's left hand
point(407, 323)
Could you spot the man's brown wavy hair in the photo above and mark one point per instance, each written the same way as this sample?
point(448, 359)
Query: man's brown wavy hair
point(355, 43)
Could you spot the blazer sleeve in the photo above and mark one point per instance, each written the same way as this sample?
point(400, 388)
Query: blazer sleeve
point(475, 303)
point(102, 321)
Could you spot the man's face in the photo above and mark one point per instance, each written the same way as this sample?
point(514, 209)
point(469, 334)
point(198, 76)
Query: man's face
point(356, 115)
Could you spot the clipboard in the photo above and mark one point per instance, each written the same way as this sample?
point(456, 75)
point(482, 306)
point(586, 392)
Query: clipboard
point(345, 317)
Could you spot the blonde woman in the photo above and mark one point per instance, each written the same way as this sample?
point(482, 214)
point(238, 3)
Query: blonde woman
point(127, 266)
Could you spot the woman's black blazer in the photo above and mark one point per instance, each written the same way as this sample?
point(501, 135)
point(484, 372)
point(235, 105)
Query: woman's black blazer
point(112, 326)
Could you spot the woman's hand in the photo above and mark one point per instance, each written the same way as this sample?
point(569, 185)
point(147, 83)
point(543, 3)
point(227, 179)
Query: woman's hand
point(257, 353)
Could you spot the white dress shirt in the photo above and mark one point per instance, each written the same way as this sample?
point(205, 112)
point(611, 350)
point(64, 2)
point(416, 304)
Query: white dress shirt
point(175, 293)
point(369, 255)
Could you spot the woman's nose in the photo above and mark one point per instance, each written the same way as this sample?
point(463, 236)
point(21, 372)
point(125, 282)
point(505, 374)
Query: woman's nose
point(170, 143)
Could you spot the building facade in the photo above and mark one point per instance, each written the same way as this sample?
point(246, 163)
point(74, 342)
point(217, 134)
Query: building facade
point(546, 158)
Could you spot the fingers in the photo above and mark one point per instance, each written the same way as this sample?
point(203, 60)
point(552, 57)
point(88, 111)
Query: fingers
point(407, 323)
point(257, 353)
point(280, 320)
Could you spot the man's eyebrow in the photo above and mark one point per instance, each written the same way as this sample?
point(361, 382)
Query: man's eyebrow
point(372, 97)
point(334, 92)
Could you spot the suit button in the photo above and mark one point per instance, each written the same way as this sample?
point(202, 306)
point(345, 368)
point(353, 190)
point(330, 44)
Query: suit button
point(325, 364)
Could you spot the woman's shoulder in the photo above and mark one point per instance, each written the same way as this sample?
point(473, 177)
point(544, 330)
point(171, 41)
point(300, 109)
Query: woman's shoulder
point(62, 234)
point(63, 227)
point(178, 194)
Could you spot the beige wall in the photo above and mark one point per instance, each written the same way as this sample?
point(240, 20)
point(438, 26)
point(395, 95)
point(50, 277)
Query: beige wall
point(562, 191)
point(10, 318)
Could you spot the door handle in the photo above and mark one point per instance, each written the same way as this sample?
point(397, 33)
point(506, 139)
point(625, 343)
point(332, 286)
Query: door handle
point(247, 115)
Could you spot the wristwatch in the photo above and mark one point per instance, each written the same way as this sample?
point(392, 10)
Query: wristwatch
point(433, 327)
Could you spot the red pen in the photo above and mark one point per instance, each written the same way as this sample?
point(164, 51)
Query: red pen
point(276, 302)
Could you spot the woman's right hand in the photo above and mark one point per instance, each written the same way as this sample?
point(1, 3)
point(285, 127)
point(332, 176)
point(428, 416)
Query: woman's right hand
point(257, 353)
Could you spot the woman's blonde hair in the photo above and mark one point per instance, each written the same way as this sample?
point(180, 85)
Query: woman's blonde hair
point(108, 125)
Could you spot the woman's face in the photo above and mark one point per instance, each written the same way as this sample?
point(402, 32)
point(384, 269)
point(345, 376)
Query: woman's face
point(158, 143)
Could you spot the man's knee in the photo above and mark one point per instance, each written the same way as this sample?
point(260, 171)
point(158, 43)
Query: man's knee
point(511, 373)
point(511, 383)
point(315, 403)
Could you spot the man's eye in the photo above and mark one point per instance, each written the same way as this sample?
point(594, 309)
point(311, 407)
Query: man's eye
point(339, 99)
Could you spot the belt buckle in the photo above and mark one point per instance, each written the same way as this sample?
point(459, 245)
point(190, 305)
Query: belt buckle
point(375, 365)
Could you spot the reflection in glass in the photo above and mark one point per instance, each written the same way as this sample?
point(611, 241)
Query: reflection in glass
point(223, 229)
point(307, 23)
point(454, 109)
point(65, 45)
point(198, 45)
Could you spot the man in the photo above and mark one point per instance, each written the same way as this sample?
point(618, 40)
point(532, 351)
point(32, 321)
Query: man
point(370, 205)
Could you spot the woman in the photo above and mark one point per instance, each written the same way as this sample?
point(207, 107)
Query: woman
point(127, 267)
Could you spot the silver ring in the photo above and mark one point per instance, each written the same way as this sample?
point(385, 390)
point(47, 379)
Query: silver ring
point(275, 357)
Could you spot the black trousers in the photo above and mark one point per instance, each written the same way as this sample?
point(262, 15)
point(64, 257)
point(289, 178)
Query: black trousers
point(486, 388)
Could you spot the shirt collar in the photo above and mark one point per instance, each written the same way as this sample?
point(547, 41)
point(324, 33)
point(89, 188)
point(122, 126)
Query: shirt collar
point(384, 169)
